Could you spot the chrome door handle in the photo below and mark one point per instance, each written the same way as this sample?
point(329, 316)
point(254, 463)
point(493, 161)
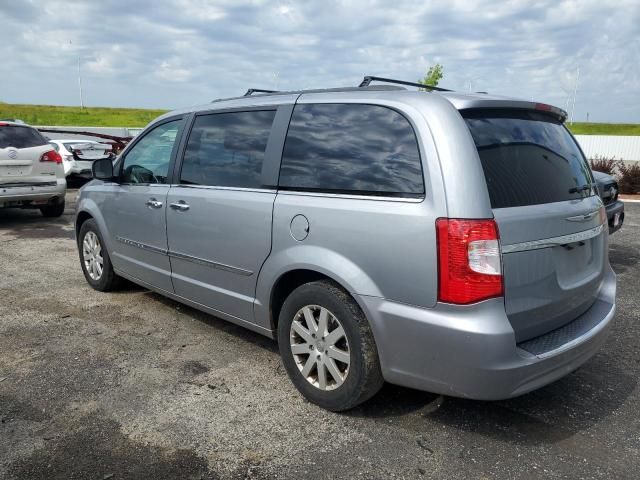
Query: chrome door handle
point(153, 203)
point(180, 206)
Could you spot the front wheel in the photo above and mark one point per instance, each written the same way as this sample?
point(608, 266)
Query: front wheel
point(327, 347)
point(94, 259)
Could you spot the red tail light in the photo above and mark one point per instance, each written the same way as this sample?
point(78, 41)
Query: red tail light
point(51, 156)
point(469, 263)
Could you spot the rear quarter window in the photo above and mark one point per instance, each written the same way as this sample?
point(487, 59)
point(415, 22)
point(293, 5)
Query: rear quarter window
point(20, 137)
point(528, 158)
point(351, 148)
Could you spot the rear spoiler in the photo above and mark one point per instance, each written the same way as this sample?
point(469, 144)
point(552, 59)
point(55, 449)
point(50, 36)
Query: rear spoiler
point(118, 143)
point(468, 102)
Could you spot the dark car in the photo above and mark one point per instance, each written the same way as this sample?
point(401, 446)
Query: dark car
point(608, 190)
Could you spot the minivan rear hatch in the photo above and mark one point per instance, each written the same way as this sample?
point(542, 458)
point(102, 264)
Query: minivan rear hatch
point(549, 216)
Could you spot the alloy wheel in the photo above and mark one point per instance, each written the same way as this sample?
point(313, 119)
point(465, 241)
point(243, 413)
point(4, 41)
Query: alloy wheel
point(320, 347)
point(92, 255)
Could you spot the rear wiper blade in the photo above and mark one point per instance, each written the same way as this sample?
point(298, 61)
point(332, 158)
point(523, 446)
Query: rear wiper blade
point(581, 188)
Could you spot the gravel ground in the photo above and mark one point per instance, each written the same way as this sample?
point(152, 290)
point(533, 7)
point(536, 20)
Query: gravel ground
point(132, 385)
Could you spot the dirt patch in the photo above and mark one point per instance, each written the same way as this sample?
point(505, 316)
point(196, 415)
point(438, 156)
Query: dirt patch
point(98, 450)
point(194, 368)
point(12, 409)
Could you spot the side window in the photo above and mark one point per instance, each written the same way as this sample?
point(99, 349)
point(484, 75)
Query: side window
point(351, 148)
point(227, 149)
point(148, 160)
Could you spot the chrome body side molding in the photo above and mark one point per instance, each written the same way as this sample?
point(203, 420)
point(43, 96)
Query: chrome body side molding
point(184, 256)
point(553, 241)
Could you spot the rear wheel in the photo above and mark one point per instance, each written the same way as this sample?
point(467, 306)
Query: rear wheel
point(54, 210)
point(327, 347)
point(94, 259)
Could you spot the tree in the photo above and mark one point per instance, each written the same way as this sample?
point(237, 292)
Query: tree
point(433, 76)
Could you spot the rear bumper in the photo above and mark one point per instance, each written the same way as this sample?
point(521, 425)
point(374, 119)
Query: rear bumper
point(81, 168)
point(28, 195)
point(614, 208)
point(470, 351)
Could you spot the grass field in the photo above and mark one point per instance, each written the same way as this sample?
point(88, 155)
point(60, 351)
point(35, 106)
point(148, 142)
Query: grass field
point(138, 117)
point(75, 116)
point(605, 128)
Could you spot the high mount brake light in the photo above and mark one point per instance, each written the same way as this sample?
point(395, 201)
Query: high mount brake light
point(469, 261)
point(544, 107)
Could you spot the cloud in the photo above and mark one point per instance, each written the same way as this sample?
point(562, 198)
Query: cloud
point(171, 71)
point(182, 52)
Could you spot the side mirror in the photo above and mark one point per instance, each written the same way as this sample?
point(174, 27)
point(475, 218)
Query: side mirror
point(102, 169)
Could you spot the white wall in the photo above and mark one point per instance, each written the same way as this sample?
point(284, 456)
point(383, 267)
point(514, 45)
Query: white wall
point(625, 148)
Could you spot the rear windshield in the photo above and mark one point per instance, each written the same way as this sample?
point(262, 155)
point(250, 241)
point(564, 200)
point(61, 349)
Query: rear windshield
point(20, 137)
point(528, 158)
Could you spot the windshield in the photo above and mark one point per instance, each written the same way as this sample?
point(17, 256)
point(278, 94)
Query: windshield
point(528, 158)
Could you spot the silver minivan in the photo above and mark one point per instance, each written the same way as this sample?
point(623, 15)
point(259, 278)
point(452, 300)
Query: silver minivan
point(444, 241)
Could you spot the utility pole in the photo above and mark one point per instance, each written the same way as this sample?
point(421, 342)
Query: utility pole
point(575, 91)
point(80, 84)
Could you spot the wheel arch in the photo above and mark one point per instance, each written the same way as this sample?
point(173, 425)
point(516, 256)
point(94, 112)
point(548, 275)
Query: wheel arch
point(286, 284)
point(293, 267)
point(82, 217)
point(87, 209)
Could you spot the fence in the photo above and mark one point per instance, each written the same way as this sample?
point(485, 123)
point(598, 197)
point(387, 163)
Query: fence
point(625, 148)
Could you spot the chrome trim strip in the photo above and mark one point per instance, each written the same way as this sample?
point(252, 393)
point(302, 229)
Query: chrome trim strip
point(184, 256)
point(209, 263)
point(234, 189)
point(553, 241)
point(143, 246)
point(582, 338)
point(352, 196)
point(583, 218)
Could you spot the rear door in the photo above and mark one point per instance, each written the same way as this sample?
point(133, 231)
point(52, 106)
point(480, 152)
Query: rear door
point(21, 148)
point(219, 215)
point(549, 217)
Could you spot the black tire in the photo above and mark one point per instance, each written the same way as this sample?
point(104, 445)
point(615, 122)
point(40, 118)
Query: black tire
point(54, 210)
point(108, 280)
point(364, 377)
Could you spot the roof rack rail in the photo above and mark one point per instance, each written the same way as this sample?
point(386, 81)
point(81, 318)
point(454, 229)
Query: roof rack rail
point(251, 91)
point(368, 79)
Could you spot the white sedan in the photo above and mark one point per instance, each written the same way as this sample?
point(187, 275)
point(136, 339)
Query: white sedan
point(90, 151)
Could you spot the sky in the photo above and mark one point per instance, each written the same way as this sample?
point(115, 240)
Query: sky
point(176, 53)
